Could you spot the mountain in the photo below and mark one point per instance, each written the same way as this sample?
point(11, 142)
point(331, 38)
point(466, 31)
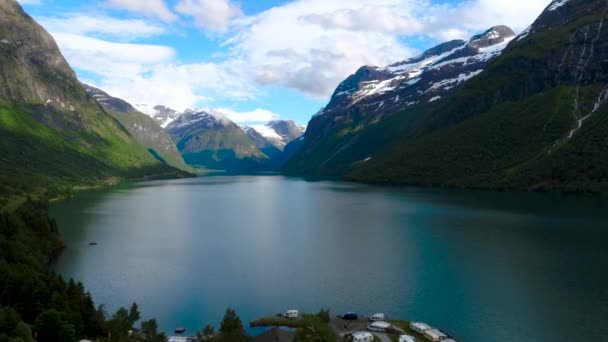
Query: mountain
point(263, 143)
point(164, 115)
point(281, 132)
point(142, 127)
point(535, 119)
point(55, 135)
point(213, 141)
point(338, 137)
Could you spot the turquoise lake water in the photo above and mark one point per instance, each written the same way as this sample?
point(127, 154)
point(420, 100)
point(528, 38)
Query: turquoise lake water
point(482, 266)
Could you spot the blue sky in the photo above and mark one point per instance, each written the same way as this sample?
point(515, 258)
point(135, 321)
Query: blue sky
point(254, 60)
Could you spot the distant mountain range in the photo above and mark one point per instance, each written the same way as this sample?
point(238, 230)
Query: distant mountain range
point(211, 140)
point(496, 112)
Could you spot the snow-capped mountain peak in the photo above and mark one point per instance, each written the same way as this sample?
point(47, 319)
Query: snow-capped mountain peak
point(277, 132)
point(422, 78)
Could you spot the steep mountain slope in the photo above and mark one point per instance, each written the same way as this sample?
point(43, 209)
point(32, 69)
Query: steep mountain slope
point(536, 118)
point(263, 143)
point(54, 135)
point(338, 137)
point(142, 127)
point(213, 141)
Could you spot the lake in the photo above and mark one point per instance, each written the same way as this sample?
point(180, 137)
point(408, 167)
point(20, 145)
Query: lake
point(482, 266)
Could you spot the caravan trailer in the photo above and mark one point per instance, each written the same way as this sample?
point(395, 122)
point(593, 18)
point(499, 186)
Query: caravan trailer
point(377, 317)
point(362, 336)
point(292, 314)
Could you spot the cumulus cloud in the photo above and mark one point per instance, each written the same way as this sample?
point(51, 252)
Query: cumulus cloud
point(150, 74)
point(213, 15)
point(306, 45)
point(258, 115)
point(151, 8)
point(101, 26)
point(312, 45)
point(108, 58)
point(367, 19)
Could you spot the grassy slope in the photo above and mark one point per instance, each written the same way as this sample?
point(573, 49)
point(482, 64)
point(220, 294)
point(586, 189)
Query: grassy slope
point(506, 128)
point(38, 160)
point(223, 148)
point(155, 139)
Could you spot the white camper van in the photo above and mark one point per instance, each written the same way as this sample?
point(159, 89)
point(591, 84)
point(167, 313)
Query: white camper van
point(292, 314)
point(377, 317)
point(363, 336)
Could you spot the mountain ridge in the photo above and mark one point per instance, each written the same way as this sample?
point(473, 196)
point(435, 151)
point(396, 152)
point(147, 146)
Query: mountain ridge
point(333, 140)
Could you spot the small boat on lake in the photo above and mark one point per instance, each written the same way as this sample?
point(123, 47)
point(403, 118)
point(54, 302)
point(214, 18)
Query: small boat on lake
point(180, 330)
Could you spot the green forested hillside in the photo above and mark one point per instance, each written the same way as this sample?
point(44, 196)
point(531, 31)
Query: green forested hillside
point(534, 119)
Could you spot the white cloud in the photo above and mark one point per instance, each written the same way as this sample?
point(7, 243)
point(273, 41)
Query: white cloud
point(258, 115)
point(312, 45)
point(306, 45)
point(213, 15)
point(107, 58)
point(151, 8)
point(150, 74)
point(366, 19)
point(101, 26)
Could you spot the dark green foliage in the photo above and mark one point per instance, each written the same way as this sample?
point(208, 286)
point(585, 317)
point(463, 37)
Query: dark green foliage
point(207, 334)
point(231, 330)
point(52, 326)
point(149, 332)
point(324, 315)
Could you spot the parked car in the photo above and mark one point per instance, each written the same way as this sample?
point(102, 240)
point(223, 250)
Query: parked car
point(350, 316)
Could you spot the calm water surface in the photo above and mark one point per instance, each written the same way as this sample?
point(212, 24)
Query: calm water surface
point(482, 266)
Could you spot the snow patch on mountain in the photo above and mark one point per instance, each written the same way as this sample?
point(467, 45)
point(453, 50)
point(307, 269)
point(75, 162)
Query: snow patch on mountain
point(266, 131)
point(556, 4)
point(146, 109)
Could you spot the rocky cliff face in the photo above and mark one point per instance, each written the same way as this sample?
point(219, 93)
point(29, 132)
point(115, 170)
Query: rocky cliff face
point(32, 68)
point(142, 127)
